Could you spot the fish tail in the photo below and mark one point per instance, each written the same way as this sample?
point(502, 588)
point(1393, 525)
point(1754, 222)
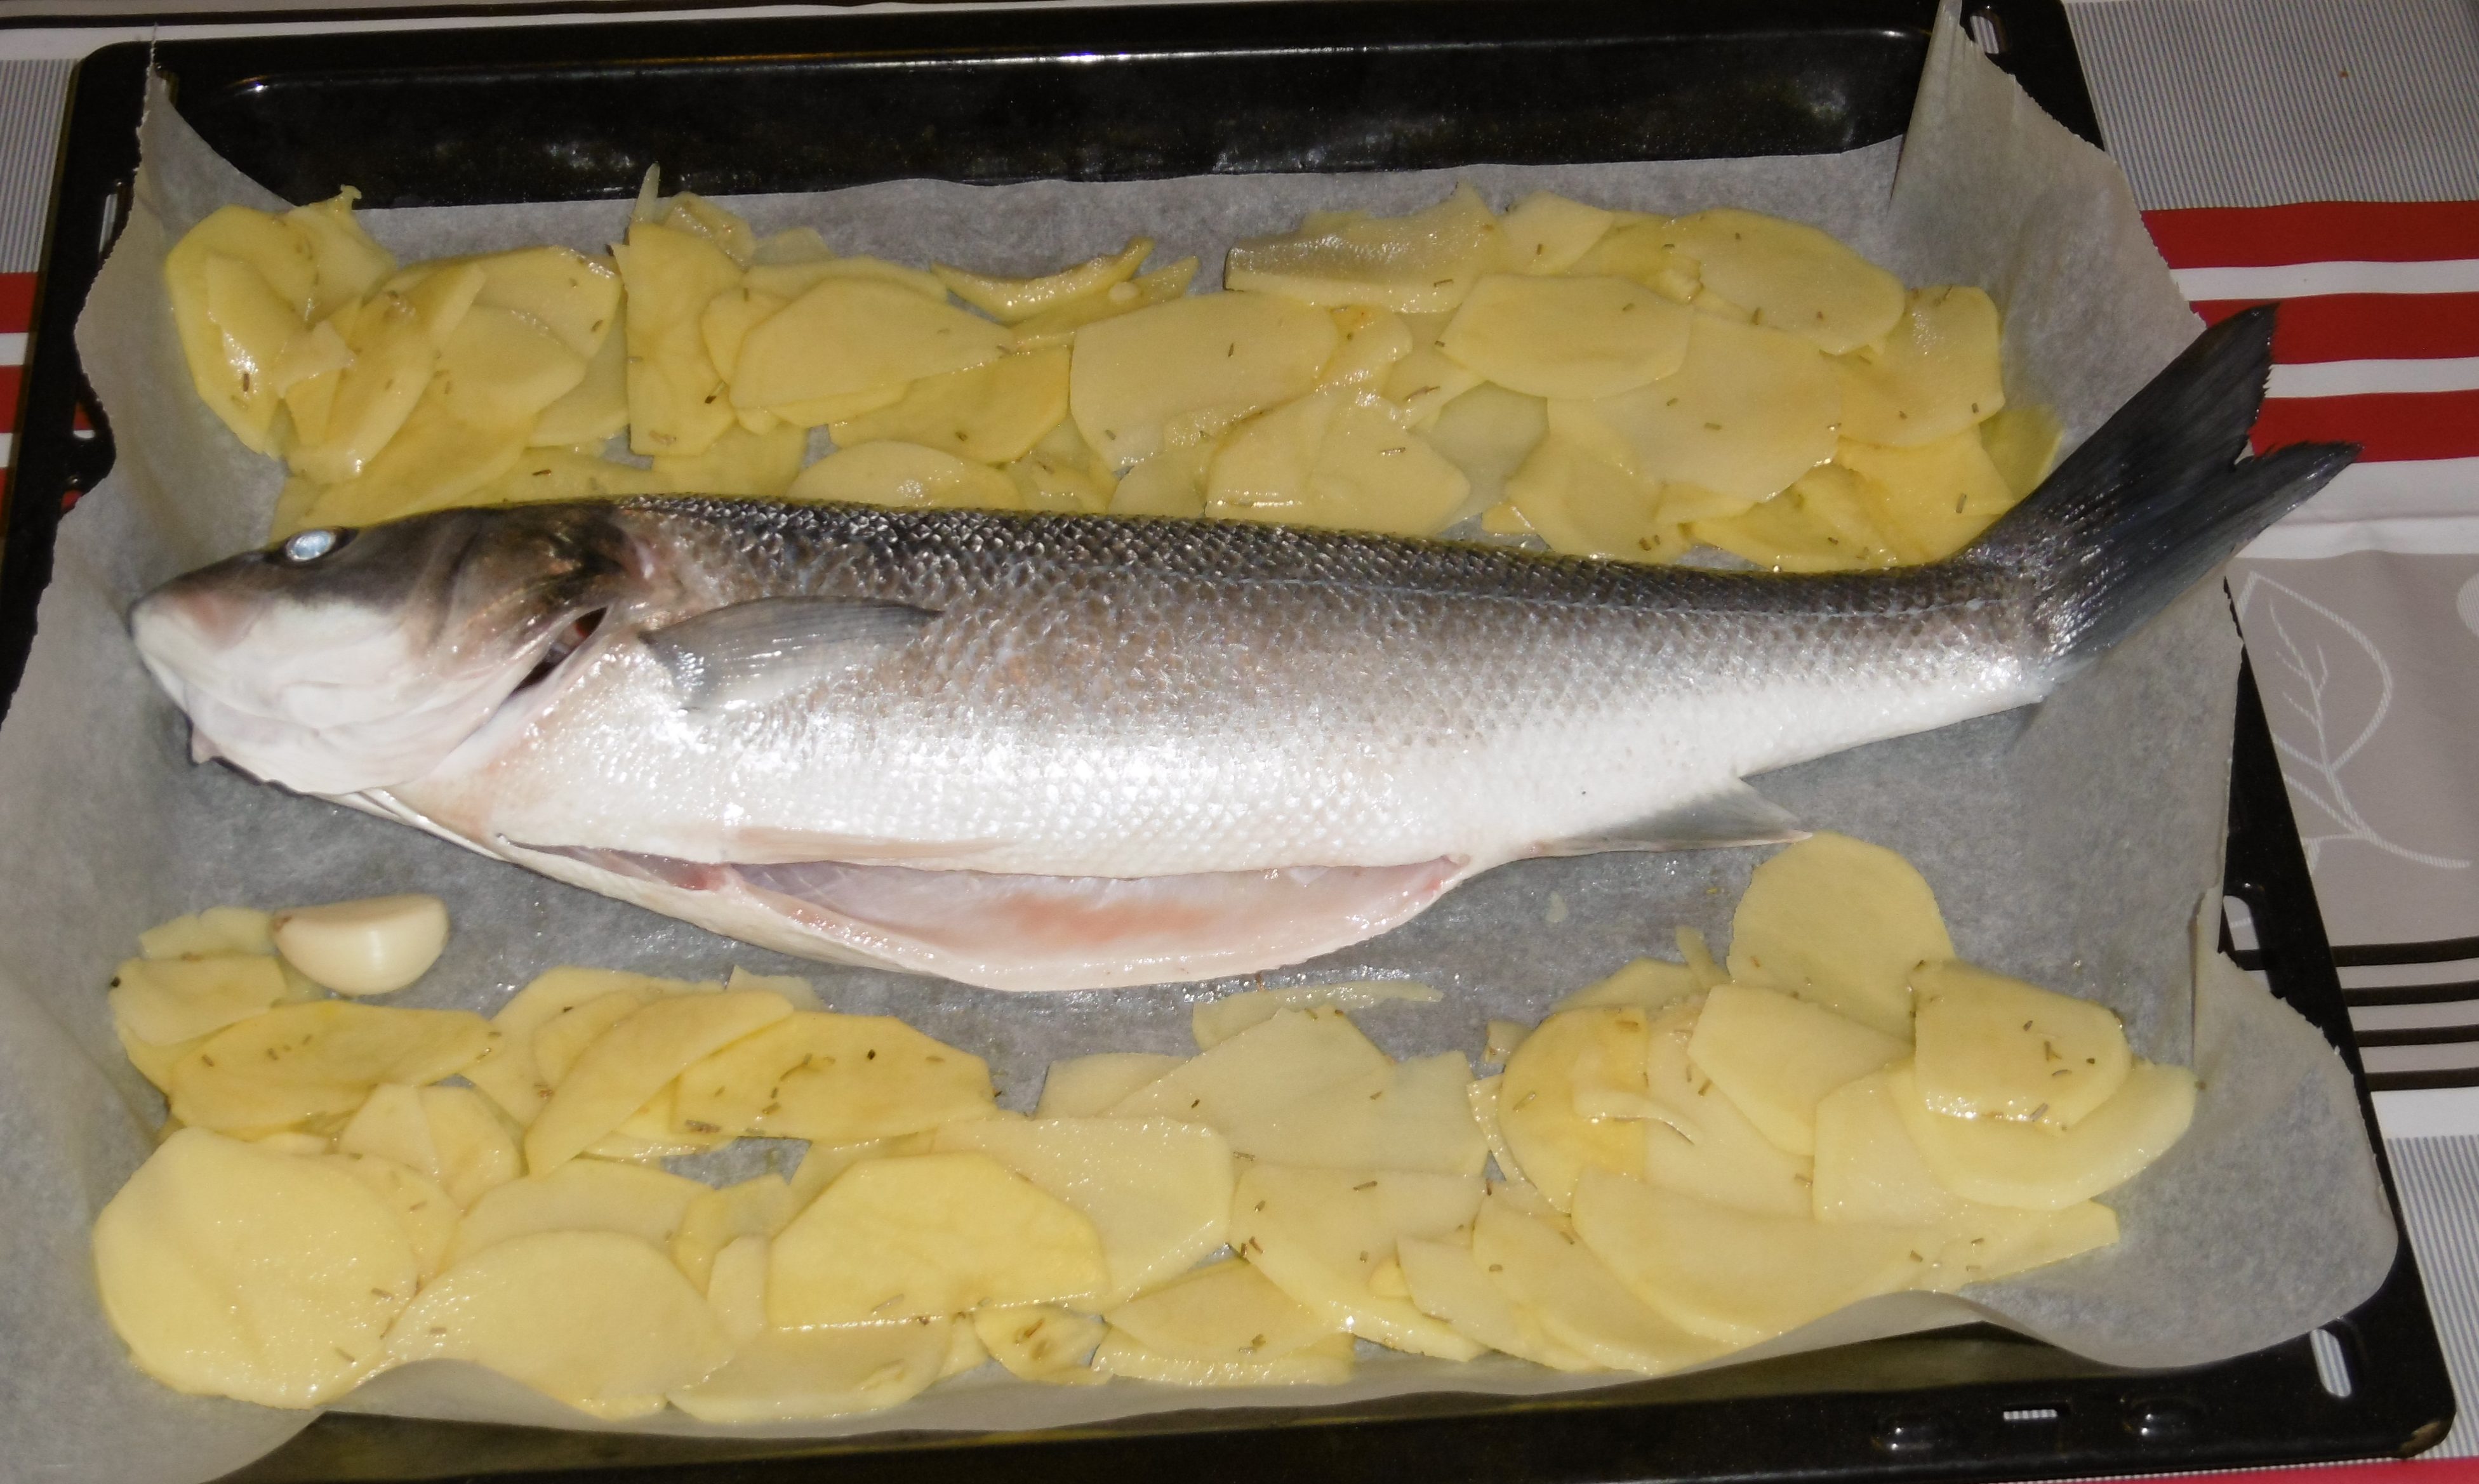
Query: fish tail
point(2158, 498)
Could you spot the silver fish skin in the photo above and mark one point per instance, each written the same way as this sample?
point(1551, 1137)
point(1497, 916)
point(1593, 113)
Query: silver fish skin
point(1051, 753)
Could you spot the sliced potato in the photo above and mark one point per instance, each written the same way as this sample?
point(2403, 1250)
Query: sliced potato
point(992, 413)
point(693, 213)
point(477, 1153)
point(1086, 1086)
point(596, 1320)
point(1699, 1141)
point(230, 1271)
point(501, 369)
point(2021, 444)
point(283, 260)
point(736, 1286)
point(1239, 1081)
point(1747, 412)
point(2039, 1167)
point(346, 263)
point(1321, 1235)
point(1575, 337)
point(790, 280)
point(676, 401)
point(1532, 1256)
point(1827, 521)
point(836, 1080)
point(1414, 1115)
point(1042, 1342)
point(1575, 1052)
point(1326, 1363)
point(393, 1126)
point(1993, 1242)
point(1170, 483)
point(854, 335)
point(510, 1075)
point(1933, 500)
point(1424, 381)
point(1645, 984)
point(1373, 341)
point(1546, 233)
point(1423, 263)
point(582, 1196)
point(557, 1043)
point(739, 462)
point(714, 1219)
point(1645, 251)
point(1482, 1097)
point(1223, 1314)
point(549, 475)
point(1014, 300)
point(823, 1162)
point(1216, 1021)
point(218, 929)
point(1937, 375)
point(1792, 277)
point(1487, 433)
point(426, 1213)
point(727, 321)
point(926, 1236)
point(1340, 460)
point(1734, 1276)
point(1058, 325)
point(1776, 1057)
point(1184, 371)
point(167, 1000)
point(1842, 923)
point(1158, 1192)
point(1583, 505)
point(1448, 1284)
point(317, 1061)
point(597, 407)
point(632, 1061)
point(342, 421)
point(575, 296)
point(1993, 1047)
point(906, 476)
point(793, 1375)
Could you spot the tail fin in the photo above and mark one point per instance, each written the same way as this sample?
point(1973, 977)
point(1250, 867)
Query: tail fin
point(2158, 497)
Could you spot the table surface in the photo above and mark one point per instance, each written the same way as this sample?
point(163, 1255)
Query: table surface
point(2322, 153)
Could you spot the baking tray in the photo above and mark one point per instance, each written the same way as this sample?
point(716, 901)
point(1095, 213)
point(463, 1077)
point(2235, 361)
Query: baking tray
point(559, 113)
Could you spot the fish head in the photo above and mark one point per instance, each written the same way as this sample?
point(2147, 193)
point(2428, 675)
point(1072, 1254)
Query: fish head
point(341, 660)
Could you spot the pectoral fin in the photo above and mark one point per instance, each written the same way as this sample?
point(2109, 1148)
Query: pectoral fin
point(1734, 814)
point(751, 652)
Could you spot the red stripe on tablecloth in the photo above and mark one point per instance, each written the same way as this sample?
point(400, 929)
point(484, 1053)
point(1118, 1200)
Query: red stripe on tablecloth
point(12, 381)
point(2391, 426)
point(2316, 232)
point(2412, 1471)
point(16, 303)
point(2365, 327)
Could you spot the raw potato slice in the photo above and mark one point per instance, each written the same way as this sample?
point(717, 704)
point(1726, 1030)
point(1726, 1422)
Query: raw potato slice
point(1339, 460)
point(375, 945)
point(573, 295)
point(1068, 483)
point(931, 1235)
point(1777, 1058)
point(1373, 341)
point(1425, 381)
point(544, 475)
point(1448, 1284)
point(1993, 1047)
point(258, 326)
point(317, 1061)
point(1420, 264)
point(906, 476)
point(1326, 1363)
point(964, 1349)
point(992, 413)
point(790, 280)
point(632, 1061)
point(1293, 1055)
point(562, 1040)
point(1931, 500)
point(1170, 483)
point(2041, 1168)
point(475, 1152)
point(1546, 233)
point(1158, 1192)
point(1531, 1257)
point(788, 1375)
point(501, 368)
point(854, 335)
point(1827, 521)
point(715, 1219)
point(1748, 411)
point(1577, 338)
point(693, 213)
point(434, 460)
point(393, 1126)
point(1645, 251)
point(818, 1167)
point(1867, 1168)
point(229, 1271)
point(596, 1320)
point(1792, 277)
point(284, 261)
point(345, 264)
point(1041, 1343)
point(739, 462)
point(2022, 444)
point(1482, 1097)
point(1057, 326)
point(425, 1211)
point(736, 1286)
point(675, 400)
point(510, 1075)
point(1699, 1141)
point(1216, 1021)
point(1993, 1242)
point(1487, 433)
point(167, 1000)
point(1936, 376)
point(1733, 1276)
point(1013, 301)
point(1842, 923)
point(1321, 1235)
point(727, 321)
point(343, 421)
point(1223, 1314)
point(1646, 984)
point(1583, 505)
point(1414, 1115)
point(1182, 371)
point(836, 1080)
point(597, 407)
point(218, 929)
point(582, 1196)
point(154, 1062)
point(655, 1132)
point(1572, 1052)
point(1086, 1086)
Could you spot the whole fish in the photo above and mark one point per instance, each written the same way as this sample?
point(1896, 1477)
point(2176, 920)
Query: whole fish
point(1066, 752)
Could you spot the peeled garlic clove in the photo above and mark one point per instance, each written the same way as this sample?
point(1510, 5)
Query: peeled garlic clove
point(376, 946)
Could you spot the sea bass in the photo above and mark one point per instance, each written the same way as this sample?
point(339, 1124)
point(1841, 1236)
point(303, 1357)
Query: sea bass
point(1063, 751)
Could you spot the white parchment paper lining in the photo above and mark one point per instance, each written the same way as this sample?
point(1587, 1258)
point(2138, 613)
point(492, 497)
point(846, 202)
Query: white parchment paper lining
point(2070, 844)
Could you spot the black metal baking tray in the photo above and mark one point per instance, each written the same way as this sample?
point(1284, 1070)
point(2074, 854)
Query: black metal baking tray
point(454, 116)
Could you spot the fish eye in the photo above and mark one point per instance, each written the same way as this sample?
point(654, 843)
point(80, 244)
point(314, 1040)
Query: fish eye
point(303, 547)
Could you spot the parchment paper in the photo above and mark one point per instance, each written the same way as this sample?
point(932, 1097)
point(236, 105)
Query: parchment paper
point(2071, 844)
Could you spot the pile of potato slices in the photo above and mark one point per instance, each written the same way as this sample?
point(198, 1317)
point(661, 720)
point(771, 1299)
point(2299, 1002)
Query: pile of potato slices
point(1689, 1158)
point(1610, 384)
